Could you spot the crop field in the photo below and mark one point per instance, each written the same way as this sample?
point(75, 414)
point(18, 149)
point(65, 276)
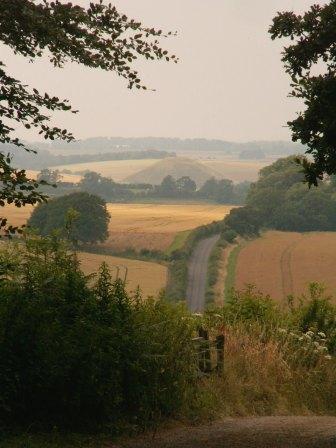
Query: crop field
point(151, 276)
point(118, 170)
point(155, 226)
point(144, 226)
point(284, 263)
point(235, 169)
point(64, 177)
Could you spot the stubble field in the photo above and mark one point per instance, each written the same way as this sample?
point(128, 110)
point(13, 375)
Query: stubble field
point(118, 170)
point(151, 277)
point(155, 226)
point(144, 226)
point(284, 263)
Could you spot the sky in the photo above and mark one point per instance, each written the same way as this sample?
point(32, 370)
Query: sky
point(229, 84)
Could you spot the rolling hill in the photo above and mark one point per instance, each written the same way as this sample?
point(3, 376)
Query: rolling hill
point(176, 167)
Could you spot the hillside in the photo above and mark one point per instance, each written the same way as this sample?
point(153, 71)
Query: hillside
point(176, 167)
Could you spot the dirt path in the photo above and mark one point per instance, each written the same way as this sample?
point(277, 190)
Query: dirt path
point(197, 273)
point(261, 432)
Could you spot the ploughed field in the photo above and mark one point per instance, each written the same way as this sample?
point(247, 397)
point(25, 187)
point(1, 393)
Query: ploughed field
point(155, 226)
point(151, 277)
point(284, 263)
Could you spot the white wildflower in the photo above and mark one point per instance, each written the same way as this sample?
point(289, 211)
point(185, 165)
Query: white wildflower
point(321, 334)
point(327, 357)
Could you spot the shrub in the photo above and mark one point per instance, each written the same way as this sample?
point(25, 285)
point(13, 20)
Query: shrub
point(78, 353)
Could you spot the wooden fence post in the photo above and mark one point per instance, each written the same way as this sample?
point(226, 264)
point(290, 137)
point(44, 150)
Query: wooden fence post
point(205, 358)
point(220, 342)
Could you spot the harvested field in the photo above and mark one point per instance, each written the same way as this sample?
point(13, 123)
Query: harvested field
point(64, 177)
point(284, 263)
point(144, 226)
point(236, 170)
point(118, 170)
point(151, 276)
point(16, 216)
point(155, 226)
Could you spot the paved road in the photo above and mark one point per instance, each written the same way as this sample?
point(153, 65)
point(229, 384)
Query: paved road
point(262, 432)
point(197, 273)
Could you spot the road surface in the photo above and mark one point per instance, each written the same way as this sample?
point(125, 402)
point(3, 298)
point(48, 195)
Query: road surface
point(197, 274)
point(253, 432)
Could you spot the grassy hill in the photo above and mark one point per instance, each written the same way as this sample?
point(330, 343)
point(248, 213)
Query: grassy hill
point(176, 167)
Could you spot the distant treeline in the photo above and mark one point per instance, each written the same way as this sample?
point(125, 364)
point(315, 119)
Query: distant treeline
point(222, 191)
point(43, 159)
point(111, 144)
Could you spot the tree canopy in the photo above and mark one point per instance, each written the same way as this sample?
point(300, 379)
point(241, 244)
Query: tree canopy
point(97, 37)
point(280, 200)
point(82, 217)
point(310, 60)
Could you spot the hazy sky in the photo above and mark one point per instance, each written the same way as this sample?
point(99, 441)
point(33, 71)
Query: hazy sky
point(229, 84)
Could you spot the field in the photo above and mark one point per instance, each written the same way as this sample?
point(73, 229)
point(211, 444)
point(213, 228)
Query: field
point(155, 226)
point(153, 170)
point(144, 226)
point(151, 276)
point(118, 170)
point(236, 170)
point(281, 263)
point(64, 177)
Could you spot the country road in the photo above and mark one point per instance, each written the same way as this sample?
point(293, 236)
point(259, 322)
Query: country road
point(251, 432)
point(197, 273)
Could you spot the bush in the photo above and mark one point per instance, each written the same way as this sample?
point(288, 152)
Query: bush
point(80, 354)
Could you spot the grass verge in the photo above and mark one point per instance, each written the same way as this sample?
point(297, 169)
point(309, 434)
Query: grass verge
point(231, 271)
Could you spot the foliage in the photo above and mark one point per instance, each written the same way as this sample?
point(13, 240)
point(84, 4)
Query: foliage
point(310, 60)
point(281, 200)
point(97, 37)
point(80, 354)
point(213, 271)
point(90, 224)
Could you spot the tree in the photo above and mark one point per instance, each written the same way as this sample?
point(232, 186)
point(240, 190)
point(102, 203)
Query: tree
point(87, 212)
point(312, 50)
point(97, 37)
point(168, 187)
point(186, 186)
point(221, 191)
point(49, 176)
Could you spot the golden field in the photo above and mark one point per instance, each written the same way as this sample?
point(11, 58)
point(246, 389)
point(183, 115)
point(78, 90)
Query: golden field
point(284, 263)
point(236, 170)
point(151, 276)
point(64, 177)
point(155, 226)
point(118, 170)
point(144, 226)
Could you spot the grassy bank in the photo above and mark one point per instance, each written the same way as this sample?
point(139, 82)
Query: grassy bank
point(231, 271)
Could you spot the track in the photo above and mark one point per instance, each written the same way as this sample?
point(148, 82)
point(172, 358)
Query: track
point(197, 273)
point(254, 432)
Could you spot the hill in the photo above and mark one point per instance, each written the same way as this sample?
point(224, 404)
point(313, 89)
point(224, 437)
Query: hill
point(176, 167)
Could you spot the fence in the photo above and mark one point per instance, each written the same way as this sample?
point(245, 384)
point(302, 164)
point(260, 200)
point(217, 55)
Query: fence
point(209, 352)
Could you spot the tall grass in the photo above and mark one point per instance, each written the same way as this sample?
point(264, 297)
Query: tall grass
point(231, 271)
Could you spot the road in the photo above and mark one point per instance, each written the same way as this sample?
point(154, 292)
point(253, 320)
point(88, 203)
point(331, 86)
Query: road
point(253, 432)
point(197, 274)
